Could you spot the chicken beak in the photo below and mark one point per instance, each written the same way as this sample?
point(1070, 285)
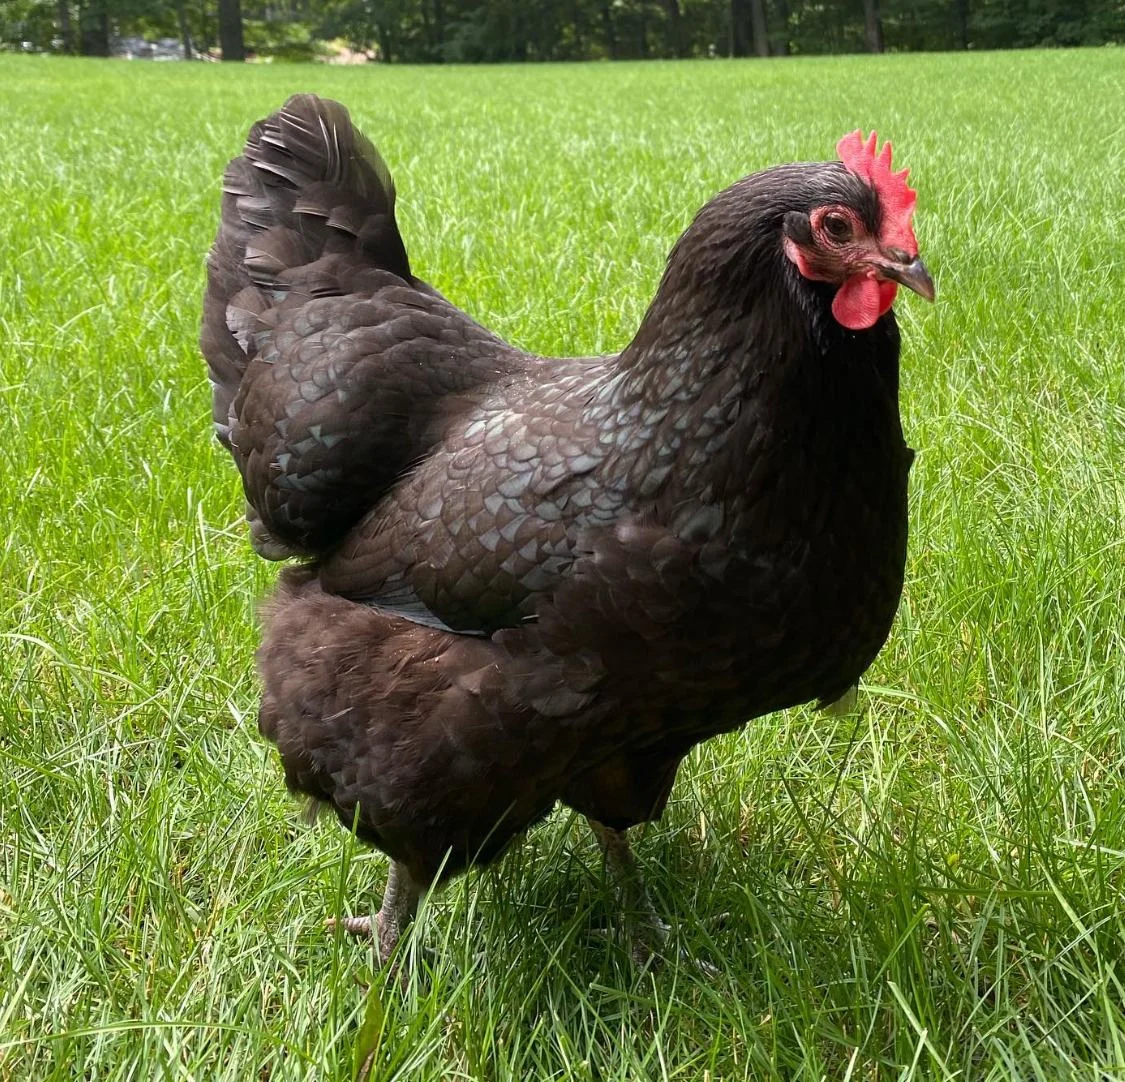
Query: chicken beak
point(913, 275)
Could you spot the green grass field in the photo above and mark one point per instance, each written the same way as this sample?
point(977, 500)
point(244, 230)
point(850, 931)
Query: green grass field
point(931, 888)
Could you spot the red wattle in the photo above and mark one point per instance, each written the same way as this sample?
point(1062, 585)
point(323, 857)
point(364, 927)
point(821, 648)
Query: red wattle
point(860, 301)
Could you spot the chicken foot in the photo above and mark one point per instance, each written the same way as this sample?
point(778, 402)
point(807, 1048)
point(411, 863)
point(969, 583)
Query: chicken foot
point(400, 903)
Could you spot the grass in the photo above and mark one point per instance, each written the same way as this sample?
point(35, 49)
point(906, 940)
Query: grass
point(929, 889)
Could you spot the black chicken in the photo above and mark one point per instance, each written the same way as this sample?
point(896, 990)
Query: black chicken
point(527, 580)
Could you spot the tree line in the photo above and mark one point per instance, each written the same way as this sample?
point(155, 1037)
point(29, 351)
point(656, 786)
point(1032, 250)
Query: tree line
point(468, 31)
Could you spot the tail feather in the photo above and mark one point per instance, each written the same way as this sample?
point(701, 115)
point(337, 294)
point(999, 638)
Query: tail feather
point(333, 369)
point(308, 184)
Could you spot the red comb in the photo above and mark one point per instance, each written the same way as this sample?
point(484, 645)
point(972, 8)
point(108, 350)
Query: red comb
point(896, 197)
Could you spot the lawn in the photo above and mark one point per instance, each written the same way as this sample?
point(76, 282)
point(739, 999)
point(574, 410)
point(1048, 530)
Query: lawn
point(930, 888)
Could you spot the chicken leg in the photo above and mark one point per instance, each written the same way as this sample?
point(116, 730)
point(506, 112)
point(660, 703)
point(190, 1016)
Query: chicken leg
point(647, 932)
point(400, 903)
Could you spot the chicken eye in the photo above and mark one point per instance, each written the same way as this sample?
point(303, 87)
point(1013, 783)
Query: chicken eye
point(837, 227)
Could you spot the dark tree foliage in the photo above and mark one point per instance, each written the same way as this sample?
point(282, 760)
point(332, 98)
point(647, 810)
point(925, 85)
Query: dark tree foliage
point(469, 31)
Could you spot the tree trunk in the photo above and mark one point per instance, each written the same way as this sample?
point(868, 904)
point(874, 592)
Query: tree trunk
point(386, 43)
point(93, 29)
point(230, 30)
point(608, 30)
point(579, 22)
point(758, 28)
point(739, 45)
point(437, 31)
point(961, 23)
point(675, 30)
point(185, 30)
point(873, 26)
point(782, 47)
point(66, 31)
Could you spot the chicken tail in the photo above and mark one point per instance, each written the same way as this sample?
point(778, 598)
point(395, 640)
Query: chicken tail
point(307, 185)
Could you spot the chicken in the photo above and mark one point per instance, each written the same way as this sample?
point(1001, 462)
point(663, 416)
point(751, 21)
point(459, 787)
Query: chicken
point(526, 580)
